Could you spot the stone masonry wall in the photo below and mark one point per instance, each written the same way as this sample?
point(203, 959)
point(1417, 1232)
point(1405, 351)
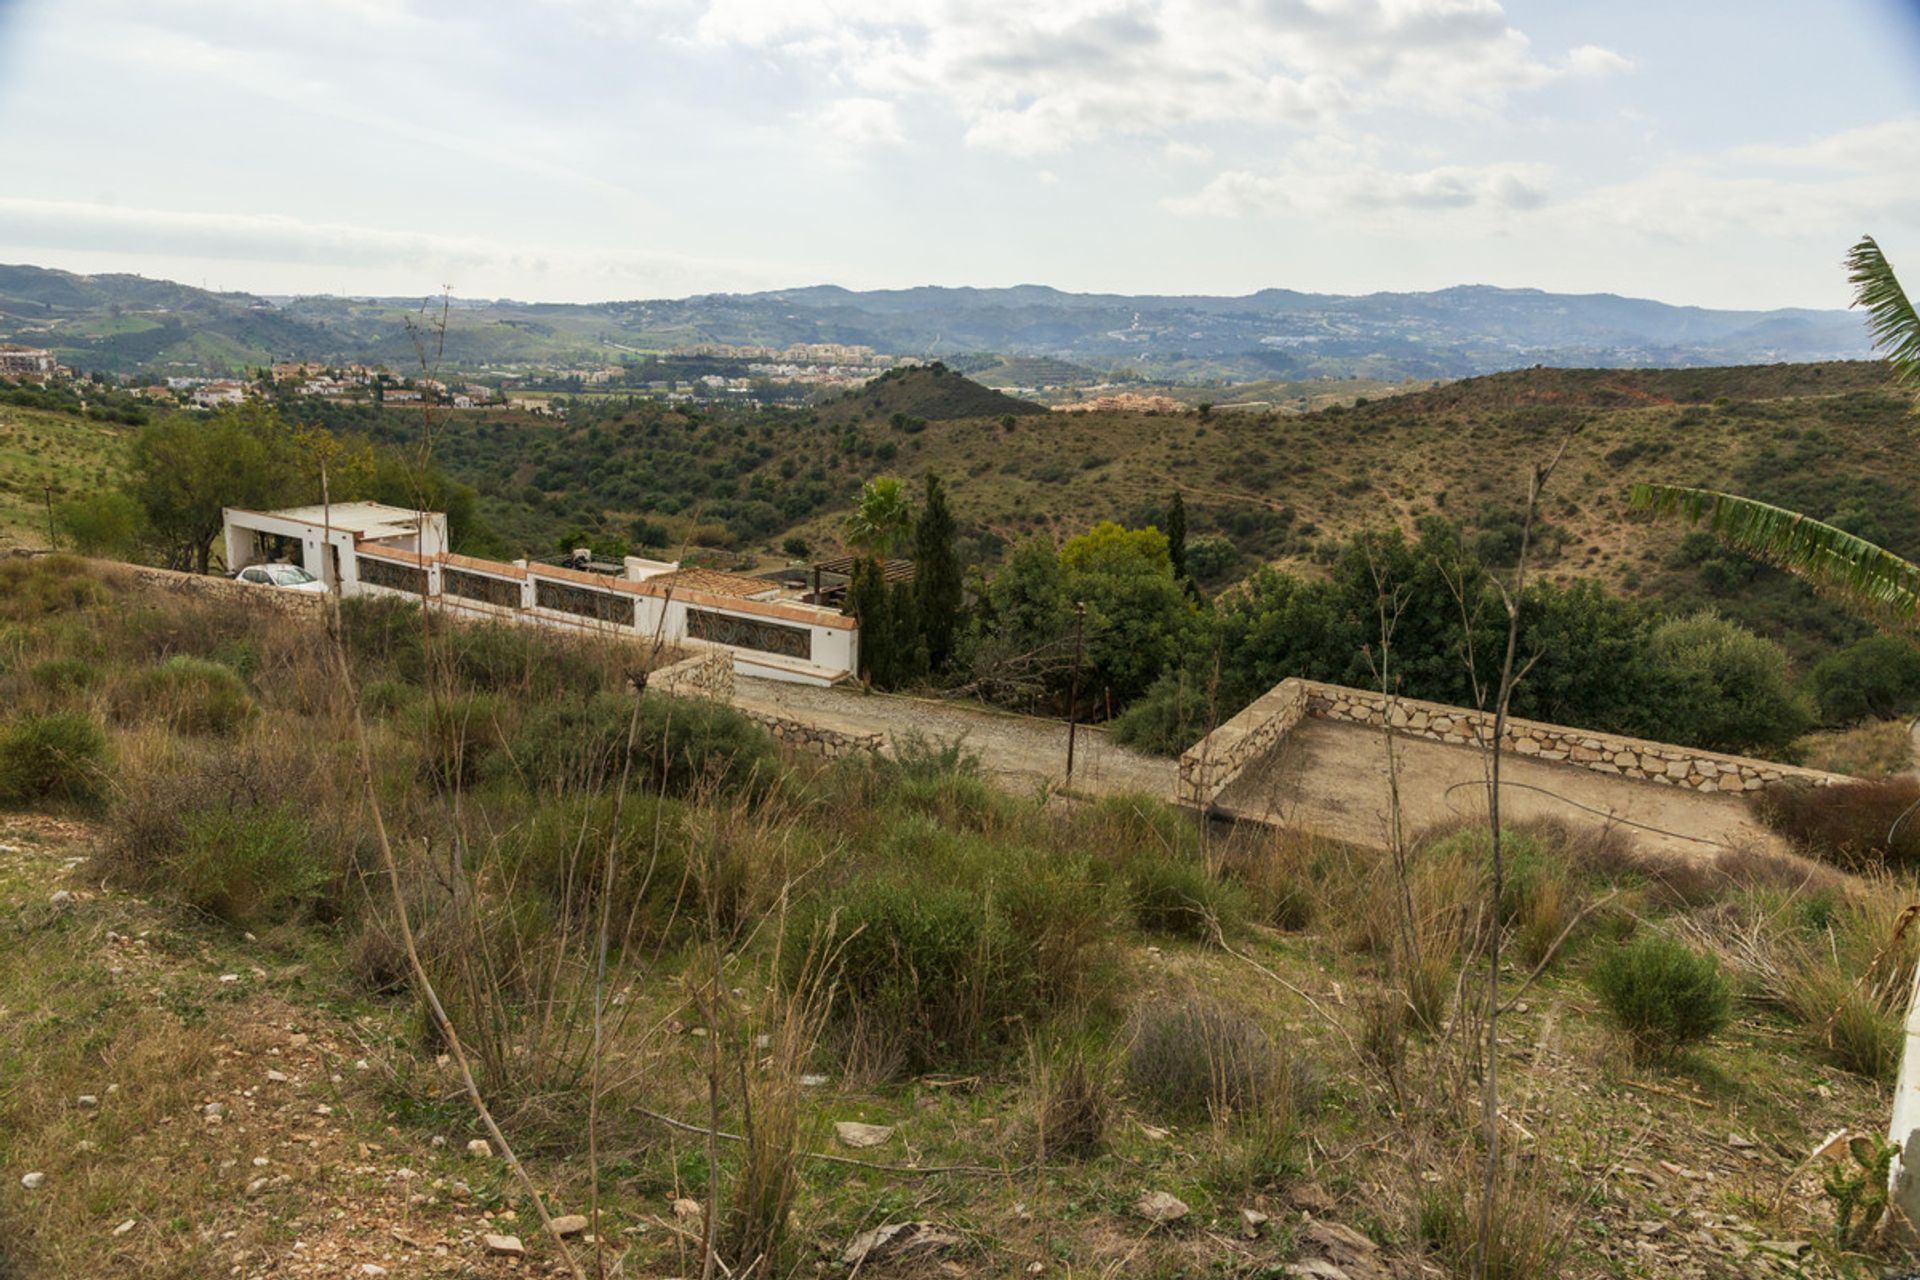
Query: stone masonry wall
point(1656, 762)
point(811, 737)
point(1218, 758)
point(707, 673)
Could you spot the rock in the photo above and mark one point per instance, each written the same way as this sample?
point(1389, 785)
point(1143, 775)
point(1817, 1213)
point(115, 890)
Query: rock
point(1317, 1269)
point(33, 1181)
point(1351, 1254)
point(1160, 1208)
point(1738, 1142)
point(1310, 1198)
point(214, 1110)
point(854, 1134)
point(504, 1246)
point(812, 1082)
point(277, 1077)
point(686, 1210)
point(255, 1187)
point(1251, 1220)
point(372, 1269)
point(124, 1227)
point(88, 1101)
point(228, 979)
point(436, 1142)
point(60, 900)
point(480, 1147)
point(570, 1225)
point(896, 1240)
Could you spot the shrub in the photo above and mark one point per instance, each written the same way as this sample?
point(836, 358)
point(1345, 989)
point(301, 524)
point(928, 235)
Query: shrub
point(1849, 824)
point(59, 757)
point(190, 695)
point(43, 585)
point(251, 831)
point(63, 677)
point(1171, 895)
point(681, 746)
point(1530, 1233)
point(1172, 715)
point(1197, 1056)
point(1878, 676)
point(1728, 686)
point(458, 736)
point(1662, 993)
point(928, 974)
point(245, 865)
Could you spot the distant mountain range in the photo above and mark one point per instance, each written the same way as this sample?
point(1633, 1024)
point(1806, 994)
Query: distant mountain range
point(120, 323)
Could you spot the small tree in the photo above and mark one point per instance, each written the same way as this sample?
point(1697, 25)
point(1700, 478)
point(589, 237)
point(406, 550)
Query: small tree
point(1177, 537)
point(937, 576)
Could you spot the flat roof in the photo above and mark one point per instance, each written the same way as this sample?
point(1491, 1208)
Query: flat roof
point(362, 519)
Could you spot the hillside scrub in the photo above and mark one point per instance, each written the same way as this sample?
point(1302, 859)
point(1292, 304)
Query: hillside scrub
point(964, 966)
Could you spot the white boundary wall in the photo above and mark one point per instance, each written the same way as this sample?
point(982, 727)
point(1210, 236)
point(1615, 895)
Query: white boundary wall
point(800, 643)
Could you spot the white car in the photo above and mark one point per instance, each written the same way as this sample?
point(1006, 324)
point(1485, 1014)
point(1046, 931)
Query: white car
point(290, 577)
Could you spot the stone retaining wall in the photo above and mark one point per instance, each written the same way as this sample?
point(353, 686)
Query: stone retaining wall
point(1218, 758)
point(802, 736)
point(1657, 762)
point(707, 673)
point(199, 586)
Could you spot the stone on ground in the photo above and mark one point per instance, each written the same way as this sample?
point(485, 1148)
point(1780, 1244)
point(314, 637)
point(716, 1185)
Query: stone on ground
point(504, 1246)
point(1160, 1208)
point(854, 1134)
point(570, 1225)
point(897, 1240)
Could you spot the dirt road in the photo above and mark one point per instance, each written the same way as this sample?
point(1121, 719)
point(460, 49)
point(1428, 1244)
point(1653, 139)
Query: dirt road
point(1021, 750)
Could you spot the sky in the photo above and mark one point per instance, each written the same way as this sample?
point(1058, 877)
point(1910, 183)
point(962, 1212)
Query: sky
point(1695, 151)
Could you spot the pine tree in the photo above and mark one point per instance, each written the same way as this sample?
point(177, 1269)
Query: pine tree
point(867, 601)
point(937, 589)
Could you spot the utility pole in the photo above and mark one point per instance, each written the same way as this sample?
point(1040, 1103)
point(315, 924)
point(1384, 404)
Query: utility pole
point(1073, 696)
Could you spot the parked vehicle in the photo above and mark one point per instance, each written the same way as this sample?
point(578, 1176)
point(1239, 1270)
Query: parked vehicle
point(288, 577)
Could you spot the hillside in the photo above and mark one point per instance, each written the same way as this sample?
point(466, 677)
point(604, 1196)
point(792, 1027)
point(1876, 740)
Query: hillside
point(117, 323)
point(930, 392)
point(870, 1016)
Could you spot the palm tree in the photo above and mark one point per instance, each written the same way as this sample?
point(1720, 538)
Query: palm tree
point(882, 518)
point(1870, 579)
point(1859, 574)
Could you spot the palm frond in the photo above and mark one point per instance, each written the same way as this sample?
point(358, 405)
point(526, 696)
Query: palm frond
point(1891, 320)
point(1854, 571)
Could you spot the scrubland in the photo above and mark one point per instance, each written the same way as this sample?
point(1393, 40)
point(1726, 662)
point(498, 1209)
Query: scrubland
point(1074, 1037)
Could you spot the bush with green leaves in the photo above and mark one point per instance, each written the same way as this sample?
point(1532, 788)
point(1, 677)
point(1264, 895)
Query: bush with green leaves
point(63, 677)
point(681, 746)
point(190, 695)
point(246, 865)
point(60, 757)
point(1876, 677)
point(1662, 994)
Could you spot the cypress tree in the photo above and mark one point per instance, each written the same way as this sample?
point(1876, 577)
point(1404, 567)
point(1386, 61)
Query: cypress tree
point(936, 580)
point(867, 601)
point(1177, 536)
point(907, 639)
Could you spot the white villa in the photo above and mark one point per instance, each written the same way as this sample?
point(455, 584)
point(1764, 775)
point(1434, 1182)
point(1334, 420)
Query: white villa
point(368, 548)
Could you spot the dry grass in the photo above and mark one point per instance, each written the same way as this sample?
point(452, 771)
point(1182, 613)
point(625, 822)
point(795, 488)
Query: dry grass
point(1872, 751)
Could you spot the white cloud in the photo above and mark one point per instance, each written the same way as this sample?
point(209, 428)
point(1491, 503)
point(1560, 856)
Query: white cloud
point(1594, 63)
point(1360, 187)
point(855, 125)
point(1029, 80)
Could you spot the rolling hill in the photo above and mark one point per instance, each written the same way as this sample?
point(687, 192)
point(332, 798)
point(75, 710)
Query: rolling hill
point(119, 323)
